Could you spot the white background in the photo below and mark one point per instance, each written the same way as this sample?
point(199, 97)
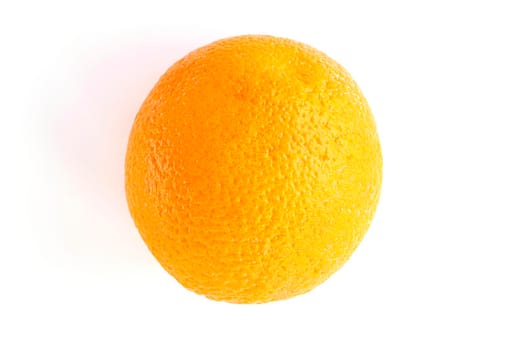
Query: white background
point(443, 266)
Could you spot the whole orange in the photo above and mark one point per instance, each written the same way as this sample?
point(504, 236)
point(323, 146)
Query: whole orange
point(253, 169)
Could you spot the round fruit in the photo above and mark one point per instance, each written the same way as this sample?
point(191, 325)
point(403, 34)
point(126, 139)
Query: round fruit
point(253, 169)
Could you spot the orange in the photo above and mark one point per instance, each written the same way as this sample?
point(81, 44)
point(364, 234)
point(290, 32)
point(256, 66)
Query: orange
point(253, 169)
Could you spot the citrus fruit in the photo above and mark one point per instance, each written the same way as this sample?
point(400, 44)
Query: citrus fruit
point(253, 169)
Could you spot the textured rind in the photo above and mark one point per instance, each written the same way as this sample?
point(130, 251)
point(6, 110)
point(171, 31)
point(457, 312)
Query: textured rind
point(253, 169)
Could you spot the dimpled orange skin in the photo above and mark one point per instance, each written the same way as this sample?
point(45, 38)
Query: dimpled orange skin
point(253, 169)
